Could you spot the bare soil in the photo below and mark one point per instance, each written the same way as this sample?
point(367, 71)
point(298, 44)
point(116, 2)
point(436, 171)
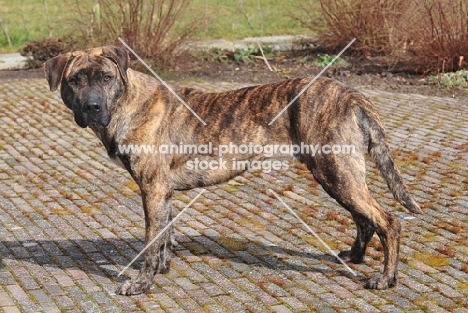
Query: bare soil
point(22, 74)
point(370, 73)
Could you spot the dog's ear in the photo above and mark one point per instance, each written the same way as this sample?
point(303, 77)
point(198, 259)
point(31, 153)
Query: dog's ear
point(120, 57)
point(54, 69)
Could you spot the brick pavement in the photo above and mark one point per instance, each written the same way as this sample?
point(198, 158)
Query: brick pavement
point(70, 221)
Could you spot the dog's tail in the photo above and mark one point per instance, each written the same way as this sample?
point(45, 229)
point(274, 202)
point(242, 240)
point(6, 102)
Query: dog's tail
point(381, 154)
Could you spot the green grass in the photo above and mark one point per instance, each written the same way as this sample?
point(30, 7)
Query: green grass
point(448, 80)
point(27, 20)
point(324, 59)
point(246, 18)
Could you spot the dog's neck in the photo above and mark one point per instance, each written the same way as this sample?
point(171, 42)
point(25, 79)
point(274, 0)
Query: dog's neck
point(137, 99)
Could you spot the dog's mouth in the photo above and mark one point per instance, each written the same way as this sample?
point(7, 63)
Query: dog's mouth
point(84, 119)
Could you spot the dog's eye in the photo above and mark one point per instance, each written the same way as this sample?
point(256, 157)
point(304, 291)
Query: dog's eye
point(107, 78)
point(73, 81)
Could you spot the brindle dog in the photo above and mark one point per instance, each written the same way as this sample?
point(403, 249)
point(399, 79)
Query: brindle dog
point(125, 107)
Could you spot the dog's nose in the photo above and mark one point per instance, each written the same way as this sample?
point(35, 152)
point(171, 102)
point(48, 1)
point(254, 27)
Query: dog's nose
point(93, 107)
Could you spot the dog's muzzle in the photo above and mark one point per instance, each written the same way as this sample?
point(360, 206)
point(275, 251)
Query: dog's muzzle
point(92, 111)
point(93, 107)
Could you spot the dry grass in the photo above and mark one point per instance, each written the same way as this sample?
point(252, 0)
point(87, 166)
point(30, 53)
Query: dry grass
point(232, 243)
point(246, 222)
point(228, 188)
point(431, 259)
point(90, 210)
point(59, 211)
point(133, 186)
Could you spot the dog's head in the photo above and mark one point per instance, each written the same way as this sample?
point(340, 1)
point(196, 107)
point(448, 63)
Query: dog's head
point(91, 81)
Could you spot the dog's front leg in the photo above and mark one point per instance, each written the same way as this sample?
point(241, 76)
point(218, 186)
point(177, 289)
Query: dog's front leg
point(157, 257)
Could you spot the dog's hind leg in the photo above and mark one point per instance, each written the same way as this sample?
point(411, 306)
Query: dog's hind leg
point(343, 178)
point(365, 231)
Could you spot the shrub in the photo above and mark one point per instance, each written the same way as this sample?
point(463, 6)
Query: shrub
point(153, 28)
point(437, 31)
point(420, 35)
point(371, 22)
point(42, 50)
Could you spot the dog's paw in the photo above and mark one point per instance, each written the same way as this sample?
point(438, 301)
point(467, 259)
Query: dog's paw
point(129, 288)
point(348, 256)
point(164, 269)
point(381, 282)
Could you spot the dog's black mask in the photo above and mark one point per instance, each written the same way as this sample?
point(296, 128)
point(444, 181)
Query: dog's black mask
point(91, 82)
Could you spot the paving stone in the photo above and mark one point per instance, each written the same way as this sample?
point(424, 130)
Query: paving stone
point(295, 304)
point(69, 222)
point(390, 309)
point(362, 304)
point(5, 300)
point(50, 307)
point(212, 289)
point(11, 309)
point(165, 301)
point(40, 296)
point(64, 302)
point(17, 292)
point(280, 309)
point(333, 300)
point(178, 310)
point(185, 283)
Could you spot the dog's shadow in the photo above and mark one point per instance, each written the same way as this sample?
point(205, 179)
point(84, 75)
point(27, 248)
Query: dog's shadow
point(101, 257)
